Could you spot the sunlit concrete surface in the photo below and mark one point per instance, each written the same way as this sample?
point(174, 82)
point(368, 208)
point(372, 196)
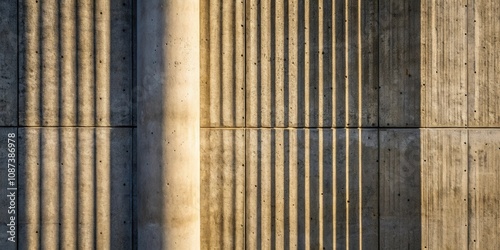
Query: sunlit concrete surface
point(168, 124)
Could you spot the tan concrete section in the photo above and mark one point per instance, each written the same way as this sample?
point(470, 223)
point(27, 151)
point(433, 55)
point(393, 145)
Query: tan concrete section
point(68, 185)
point(76, 63)
point(168, 128)
point(483, 92)
point(49, 190)
point(307, 189)
point(68, 62)
point(399, 63)
point(444, 188)
point(8, 63)
point(484, 189)
point(102, 61)
point(299, 61)
point(222, 63)
point(30, 64)
point(443, 63)
point(400, 189)
point(77, 188)
point(9, 164)
point(29, 196)
point(86, 173)
point(222, 189)
point(86, 72)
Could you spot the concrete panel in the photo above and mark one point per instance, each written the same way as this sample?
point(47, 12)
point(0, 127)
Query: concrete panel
point(68, 198)
point(9, 202)
point(483, 92)
point(484, 189)
point(443, 63)
point(134, 190)
point(305, 69)
point(222, 189)
point(76, 63)
point(444, 188)
point(399, 63)
point(222, 63)
point(8, 63)
point(400, 195)
point(120, 103)
point(311, 188)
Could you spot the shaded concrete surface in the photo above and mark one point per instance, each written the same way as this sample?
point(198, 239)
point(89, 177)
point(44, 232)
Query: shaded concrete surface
point(8, 63)
point(9, 201)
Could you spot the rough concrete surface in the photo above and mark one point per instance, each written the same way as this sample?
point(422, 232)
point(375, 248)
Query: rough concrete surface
point(75, 64)
point(75, 188)
point(8, 63)
point(260, 124)
point(223, 188)
point(168, 124)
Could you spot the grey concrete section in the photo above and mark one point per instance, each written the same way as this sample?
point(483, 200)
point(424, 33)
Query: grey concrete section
point(9, 202)
point(8, 63)
point(307, 69)
point(168, 124)
point(400, 184)
point(222, 85)
point(76, 188)
point(311, 188)
point(222, 188)
point(134, 189)
point(484, 188)
point(483, 44)
point(76, 63)
point(444, 188)
point(443, 64)
point(399, 63)
point(120, 105)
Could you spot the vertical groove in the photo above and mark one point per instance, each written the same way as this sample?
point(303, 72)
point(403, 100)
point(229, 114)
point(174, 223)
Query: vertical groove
point(347, 120)
point(359, 125)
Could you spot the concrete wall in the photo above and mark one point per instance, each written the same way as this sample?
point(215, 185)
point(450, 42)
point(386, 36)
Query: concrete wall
point(67, 92)
point(328, 124)
point(357, 124)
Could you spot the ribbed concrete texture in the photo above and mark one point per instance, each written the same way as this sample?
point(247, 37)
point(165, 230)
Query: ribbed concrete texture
point(444, 184)
point(66, 85)
point(484, 190)
point(75, 64)
point(76, 186)
point(222, 63)
point(223, 188)
point(311, 188)
point(483, 43)
point(305, 68)
point(261, 124)
point(362, 123)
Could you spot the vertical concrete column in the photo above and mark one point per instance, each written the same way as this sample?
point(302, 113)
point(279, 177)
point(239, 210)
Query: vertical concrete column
point(168, 123)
